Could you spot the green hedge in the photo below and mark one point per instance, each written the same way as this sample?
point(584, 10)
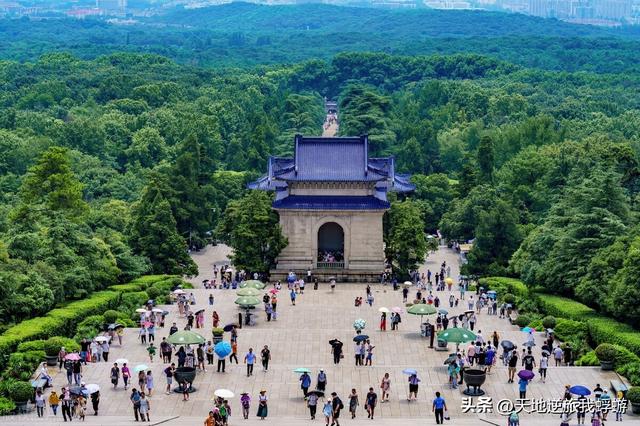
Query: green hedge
point(7, 406)
point(126, 288)
point(561, 307)
point(567, 329)
point(505, 285)
point(607, 330)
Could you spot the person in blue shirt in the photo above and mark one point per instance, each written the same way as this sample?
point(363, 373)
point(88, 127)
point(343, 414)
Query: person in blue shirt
point(293, 296)
point(439, 406)
point(522, 385)
point(306, 383)
point(249, 359)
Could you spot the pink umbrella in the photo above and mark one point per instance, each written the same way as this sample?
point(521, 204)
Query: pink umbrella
point(273, 291)
point(147, 324)
point(396, 309)
point(72, 357)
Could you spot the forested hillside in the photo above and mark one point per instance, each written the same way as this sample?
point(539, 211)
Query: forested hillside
point(240, 34)
point(112, 167)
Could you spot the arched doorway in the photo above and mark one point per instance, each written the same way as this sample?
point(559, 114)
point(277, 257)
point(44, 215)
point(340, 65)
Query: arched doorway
point(330, 246)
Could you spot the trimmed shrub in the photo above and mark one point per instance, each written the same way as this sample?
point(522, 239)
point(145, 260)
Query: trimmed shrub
point(111, 316)
point(536, 323)
point(633, 395)
point(509, 298)
point(606, 352)
point(149, 280)
point(561, 307)
point(7, 406)
point(624, 356)
point(588, 360)
point(125, 288)
point(549, 322)
point(607, 330)
point(153, 292)
point(527, 306)
point(524, 320)
point(34, 345)
point(52, 345)
point(20, 391)
point(21, 365)
point(567, 329)
point(90, 327)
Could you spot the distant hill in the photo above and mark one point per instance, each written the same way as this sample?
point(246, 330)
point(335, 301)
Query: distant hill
point(424, 22)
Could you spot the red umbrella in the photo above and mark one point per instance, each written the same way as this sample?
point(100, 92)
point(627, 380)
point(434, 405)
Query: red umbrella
point(273, 291)
point(147, 324)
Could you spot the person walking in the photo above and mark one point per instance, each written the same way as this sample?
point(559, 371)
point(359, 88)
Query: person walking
point(54, 402)
point(95, 402)
point(149, 382)
point(169, 372)
point(249, 359)
point(151, 349)
point(385, 386)
point(234, 352)
point(115, 375)
point(263, 409)
point(327, 410)
point(142, 380)
point(41, 403)
point(369, 350)
point(336, 350)
point(353, 403)
point(522, 387)
point(135, 401)
point(245, 402)
point(370, 404)
point(322, 380)
point(383, 322)
point(144, 407)
point(293, 296)
point(513, 362)
point(165, 349)
point(514, 418)
point(312, 403)
point(544, 364)
point(105, 351)
point(222, 364)
point(337, 406)
point(413, 386)
point(438, 407)
point(66, 404)
point(265, 356)
point(305, 383)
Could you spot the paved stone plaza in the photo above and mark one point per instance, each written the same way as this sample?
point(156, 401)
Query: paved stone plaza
point(299, 338)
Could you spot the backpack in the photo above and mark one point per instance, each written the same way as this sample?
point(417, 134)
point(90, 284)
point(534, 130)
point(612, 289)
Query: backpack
point(513, 417)
point(340, 404)
point(398, 319)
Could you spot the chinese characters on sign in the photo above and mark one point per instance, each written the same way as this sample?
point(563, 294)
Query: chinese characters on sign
point(485, 405)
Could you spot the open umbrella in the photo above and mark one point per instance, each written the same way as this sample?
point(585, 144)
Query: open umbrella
point(248, 291)
point(199, 311)
point(122, 361)
point(316, 392)
point(229, 327)
point(141, 367)
point(528, 330)
point(222, 349)
point(114, 326)
point(273, 291)
point(507, 345)
point(443, 311)
point(247, 301)
point(359, 324)
point(456, 335)
point(224, 393)
point(407, 283)
point(526, 374)
point(77, 390)
point(449, 280)
point(397, 309)
point(301, 370)
point(450, 359)
point(72, 357)
point(491, 292)
point(469, 312)
point(92, 388)
point(422, 309)
point(147, 324)
point(384, 310)
point(259, 285)
point(529, 344)
point(101, 339)
point(141, 310)
point(360, 337)
point(157, 310)
point(179, 291)
point(409, 371)
point(580, 390)
point(185, 337)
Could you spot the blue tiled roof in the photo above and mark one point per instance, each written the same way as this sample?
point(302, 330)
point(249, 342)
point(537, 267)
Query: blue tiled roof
point(319, 202)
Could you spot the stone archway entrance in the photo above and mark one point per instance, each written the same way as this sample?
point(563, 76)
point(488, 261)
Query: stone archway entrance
point(330, 246)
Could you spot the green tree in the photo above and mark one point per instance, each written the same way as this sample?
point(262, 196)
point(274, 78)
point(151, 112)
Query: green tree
point(153, 234)
point(405, 237)
point(486, 158)
point(251, 227)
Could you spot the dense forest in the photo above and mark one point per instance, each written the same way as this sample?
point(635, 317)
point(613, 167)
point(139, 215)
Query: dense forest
point(113, 164)
point(240, 34)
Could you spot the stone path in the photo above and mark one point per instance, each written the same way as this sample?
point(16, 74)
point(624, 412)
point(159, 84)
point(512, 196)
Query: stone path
point(299, 338)
point(329, 129)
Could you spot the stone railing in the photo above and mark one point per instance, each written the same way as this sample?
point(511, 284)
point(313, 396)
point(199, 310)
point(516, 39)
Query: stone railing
point(330, 265)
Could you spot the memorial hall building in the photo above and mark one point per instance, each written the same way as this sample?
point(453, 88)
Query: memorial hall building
point(331, 198)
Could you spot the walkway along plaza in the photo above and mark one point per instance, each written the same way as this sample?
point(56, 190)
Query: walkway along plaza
point(300, 338)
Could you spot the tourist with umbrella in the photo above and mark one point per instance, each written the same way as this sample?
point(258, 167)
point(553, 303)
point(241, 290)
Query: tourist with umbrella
point(336, 350)
point(312, 402)
point(525, 377)
point(222, 350)
point(305, 381)
point(457, 336)
point(413, 383)
point(245, 402)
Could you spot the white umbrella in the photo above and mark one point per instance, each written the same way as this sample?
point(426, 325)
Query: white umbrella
point(141, 367)
point(141, 310)
point(408, 283)
point(157, 310)
point(101, 339)
point(229, 270)
point(224, 393)
point(384, 310)
point(92, 388)
point(178, 291)
point(122, 361)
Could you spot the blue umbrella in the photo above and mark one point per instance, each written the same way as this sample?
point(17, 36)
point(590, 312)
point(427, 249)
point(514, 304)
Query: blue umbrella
point(579, 390)
point(409, 371)
point(360, 337)
point(222, 349)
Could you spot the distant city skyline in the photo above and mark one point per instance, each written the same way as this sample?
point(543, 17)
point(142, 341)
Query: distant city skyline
point(594, 12)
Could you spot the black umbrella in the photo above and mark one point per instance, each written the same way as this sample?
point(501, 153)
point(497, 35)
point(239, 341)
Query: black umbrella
point(450, 359)
point(229, 327)
point(77, 390)
point(316, 392)
point(360, 337)
point(507, 345)
point(201, 310)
